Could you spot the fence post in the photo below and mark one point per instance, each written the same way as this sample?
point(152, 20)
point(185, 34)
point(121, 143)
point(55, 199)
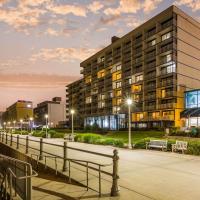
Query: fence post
point(17, 142)
point(115, 176)
point(41, 149)
point(27, 144)
point(3, 138)
point(0, 135)
point(65, 156)
point(6, 138)
point(11, 138)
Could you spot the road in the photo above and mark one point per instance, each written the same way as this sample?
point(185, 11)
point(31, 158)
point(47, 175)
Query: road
point(144, 174)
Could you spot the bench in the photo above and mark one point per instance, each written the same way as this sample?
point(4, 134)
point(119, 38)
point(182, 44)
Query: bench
point(159, 144)
point(180, 146)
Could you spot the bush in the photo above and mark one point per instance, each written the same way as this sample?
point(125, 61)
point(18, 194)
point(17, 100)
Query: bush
point(91, 138)
point(58, 135)
point(141, 144)
point(39, 134)
point(193, 148)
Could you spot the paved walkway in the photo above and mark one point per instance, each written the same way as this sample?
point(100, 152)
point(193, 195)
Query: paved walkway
point(144, 174)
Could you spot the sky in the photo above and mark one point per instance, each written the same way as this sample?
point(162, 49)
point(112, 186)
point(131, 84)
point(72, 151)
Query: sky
point(42, 42)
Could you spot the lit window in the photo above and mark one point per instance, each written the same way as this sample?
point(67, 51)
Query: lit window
point(138, 78)
point(101, 73)
point(130, 80)
point(151, 43)
point(118, 84)
point(118, 76)
point(88, 79)
point(88, 100)
point(166, 36)
point(119, 101)
point(118, 67)
point(136, 88)
point(118, 93)
point(163, 93)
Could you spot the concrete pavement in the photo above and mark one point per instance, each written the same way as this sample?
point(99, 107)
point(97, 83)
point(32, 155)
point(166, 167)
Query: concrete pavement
point(144, 174)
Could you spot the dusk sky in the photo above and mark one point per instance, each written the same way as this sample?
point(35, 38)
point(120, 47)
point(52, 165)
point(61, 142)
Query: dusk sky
point(44, 41)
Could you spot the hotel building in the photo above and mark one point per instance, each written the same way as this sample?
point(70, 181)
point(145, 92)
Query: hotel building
point(154, 65)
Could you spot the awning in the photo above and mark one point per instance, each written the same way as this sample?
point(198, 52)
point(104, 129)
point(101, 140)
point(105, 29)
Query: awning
point(191, 112)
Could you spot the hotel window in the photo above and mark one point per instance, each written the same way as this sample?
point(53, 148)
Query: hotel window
point(118, 93)
point(101, 104)
point(139, 116)
point(101, 73)
point(88, 100)
point(138, 78)
point(118, 76)
point(119, 101)
point(118, 67)
point(88, 79)
point(130, 81)
point(163, 93)
point(136, 88)
point(118, 84)
point(166, 36)
point(151, 43)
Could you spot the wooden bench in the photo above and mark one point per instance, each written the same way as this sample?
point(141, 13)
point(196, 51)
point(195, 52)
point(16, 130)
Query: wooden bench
point(180, 146)
point(158, 144)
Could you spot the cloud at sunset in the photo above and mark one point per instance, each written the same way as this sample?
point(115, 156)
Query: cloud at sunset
point(44, 41)
point(64, 54)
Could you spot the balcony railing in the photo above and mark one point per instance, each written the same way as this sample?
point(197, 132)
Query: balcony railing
point(167, 106)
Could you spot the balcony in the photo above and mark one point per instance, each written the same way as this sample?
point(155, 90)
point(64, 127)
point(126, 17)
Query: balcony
point(150, 76)
point(165, 48)
point(167, 106)
point(150, 97)
point(169, 82)
point(150, 33)
point(137, 70)
point(150, 87)
point(150, 107)
point(150, 65)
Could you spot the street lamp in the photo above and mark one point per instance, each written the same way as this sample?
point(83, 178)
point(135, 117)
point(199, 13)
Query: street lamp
point(9, 126)
point(46, 117)
point(4, 124)
point(129, 103)
point(21, 123)
point(14, 122)
point(72, 113)
point(31, 123)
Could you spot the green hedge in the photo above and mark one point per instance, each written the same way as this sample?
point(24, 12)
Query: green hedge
point(98, 139)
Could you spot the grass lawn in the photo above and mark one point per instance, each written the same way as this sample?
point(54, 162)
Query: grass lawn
point(135, 135)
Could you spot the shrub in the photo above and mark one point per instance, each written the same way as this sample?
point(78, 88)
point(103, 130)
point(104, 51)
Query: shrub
point(78, 138)
point(39, 134)
point(194, 148)
point(52, 133)
point(58, 135)
point(141, 144)
point(91, 138)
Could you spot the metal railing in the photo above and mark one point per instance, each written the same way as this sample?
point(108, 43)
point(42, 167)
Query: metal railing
point(43, 154)
point(16, 178)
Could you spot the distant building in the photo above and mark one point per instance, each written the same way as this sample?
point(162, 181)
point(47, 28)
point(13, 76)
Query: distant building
point(55, 110)
point(19, 110)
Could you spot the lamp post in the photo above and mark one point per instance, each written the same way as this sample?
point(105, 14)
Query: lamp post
point(46, 117)
point(31, 123)
point(4, 125)
point(9, 126)
point(129, 103)
point(14, 122)
point(21, 123)
point(72, 113)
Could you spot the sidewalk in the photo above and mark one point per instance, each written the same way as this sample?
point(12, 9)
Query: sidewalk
point(144, 174)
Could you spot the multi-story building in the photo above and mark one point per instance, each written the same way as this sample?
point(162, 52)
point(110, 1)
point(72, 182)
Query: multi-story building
point(153, 64)
point(55, 110)
point(21, 110)
point(75, 99)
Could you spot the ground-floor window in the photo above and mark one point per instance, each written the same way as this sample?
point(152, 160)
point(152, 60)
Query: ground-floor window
point(112, 122)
